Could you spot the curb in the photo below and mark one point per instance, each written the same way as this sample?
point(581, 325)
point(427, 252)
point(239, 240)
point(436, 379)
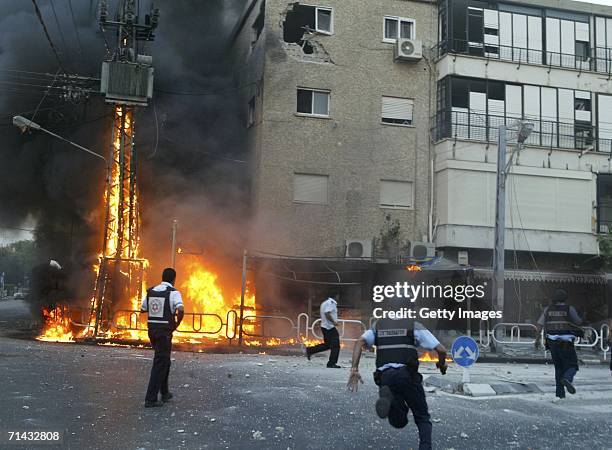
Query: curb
point(482, 389)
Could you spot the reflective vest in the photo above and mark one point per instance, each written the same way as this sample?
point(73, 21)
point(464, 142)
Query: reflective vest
point(558, 321)
point(395, 342)
point(158, 308)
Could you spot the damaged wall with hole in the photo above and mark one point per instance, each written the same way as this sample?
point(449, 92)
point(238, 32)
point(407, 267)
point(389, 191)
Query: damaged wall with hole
point(334, 47)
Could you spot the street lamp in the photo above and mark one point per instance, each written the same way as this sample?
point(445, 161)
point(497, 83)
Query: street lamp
point(25, 124)
point(503, 168)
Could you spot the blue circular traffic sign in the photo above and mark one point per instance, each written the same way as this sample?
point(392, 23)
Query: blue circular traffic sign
point(464, 351)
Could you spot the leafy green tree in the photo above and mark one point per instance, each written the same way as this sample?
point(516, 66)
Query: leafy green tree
point(17, 260)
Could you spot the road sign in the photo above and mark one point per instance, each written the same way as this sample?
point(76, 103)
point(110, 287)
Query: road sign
point(464, 351)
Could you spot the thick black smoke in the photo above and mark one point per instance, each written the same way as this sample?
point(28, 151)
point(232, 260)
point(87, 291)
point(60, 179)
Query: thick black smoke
point(189, 139)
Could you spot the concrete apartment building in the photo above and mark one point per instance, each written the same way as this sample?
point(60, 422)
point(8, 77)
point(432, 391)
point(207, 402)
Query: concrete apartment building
point(328, 164)
point(548, 62)
point(329, 167)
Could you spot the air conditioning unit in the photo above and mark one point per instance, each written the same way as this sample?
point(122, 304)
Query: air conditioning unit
point(358, 248)
point(408, 50)
point(422, 250)
point(604, 229)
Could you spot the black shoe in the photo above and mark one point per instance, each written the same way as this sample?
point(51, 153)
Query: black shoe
point(383, 404)
point(569, 386)
point(167, 397)
point(307, 353)
point(333, 366)
point(155, 404)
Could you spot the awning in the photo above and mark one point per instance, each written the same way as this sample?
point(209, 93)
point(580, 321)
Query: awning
point(539, 275)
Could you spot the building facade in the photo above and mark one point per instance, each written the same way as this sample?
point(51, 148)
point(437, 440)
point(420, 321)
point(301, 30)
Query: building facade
point(338, 129)
point(345, 139)
point(547, 63)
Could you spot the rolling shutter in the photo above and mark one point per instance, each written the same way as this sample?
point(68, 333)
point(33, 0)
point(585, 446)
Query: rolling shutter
point(397, 108)
point(310, 188)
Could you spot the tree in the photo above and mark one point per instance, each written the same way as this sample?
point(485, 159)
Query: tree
point(17, 260)
point(605, 250)
point(389, 244)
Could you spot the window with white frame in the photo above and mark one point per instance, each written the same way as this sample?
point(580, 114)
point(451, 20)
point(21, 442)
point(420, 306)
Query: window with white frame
point(313, 102)
point(398, 27)
point(396, 110)
point(324, 20)
point(310, 188)
point(396, 194)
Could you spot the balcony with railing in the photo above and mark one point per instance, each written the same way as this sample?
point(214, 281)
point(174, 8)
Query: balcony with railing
point(595, 59)
point(479, 126)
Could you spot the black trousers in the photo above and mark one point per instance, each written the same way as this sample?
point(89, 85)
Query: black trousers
point(161, 340)
point(566, 363)
point(407, 387)
point(331, 341)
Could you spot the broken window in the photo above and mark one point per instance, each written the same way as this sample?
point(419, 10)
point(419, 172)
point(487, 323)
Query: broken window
point(398, 27)
point(397, 110)
point(302, 20)
point(313, 102)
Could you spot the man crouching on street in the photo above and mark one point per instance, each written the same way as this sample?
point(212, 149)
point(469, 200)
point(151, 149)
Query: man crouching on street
point(161, 303)
point(397, 375)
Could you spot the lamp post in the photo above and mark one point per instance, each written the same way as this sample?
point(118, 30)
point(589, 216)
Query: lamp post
point(503, 169)
point(25, 124)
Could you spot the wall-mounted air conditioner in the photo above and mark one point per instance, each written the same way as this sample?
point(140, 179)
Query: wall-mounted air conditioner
point(422, 250)
point(358, 248)
point(408, 50)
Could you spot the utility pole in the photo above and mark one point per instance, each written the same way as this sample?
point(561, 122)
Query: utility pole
point(126, 82)
point(174, 229)
point(503, 169)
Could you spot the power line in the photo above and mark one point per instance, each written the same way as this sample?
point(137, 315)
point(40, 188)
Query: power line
point(59, 28)
point(44, 96)
point(76, 29)
point(42, 22)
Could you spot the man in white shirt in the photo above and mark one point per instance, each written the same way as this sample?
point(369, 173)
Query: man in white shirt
point(331, 338)
point(400, 383)
point(162, 303)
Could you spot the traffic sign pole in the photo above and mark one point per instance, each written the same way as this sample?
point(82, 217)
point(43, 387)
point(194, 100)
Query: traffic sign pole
point(464, 352)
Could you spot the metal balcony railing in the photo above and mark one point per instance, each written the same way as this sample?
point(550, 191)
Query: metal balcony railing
point(596, 59)
point(466, 124)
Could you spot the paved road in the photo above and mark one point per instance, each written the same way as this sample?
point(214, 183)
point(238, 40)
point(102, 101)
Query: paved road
point(95, 394)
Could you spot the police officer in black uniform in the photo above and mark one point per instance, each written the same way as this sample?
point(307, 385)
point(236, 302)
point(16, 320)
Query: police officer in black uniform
point(561, 327)
point(162, 303)
point(397, 375)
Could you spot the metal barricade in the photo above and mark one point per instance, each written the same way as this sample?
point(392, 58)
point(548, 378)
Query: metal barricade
point(342, 322)
point(265, 322)
point(484, 335)
point(515, 333)
point(134, 323)
point(604, 342)
point(231, 320)
point(84, 315)
point(584, 341)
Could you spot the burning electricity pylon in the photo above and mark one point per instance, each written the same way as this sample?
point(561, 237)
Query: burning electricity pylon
point(126, 82)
